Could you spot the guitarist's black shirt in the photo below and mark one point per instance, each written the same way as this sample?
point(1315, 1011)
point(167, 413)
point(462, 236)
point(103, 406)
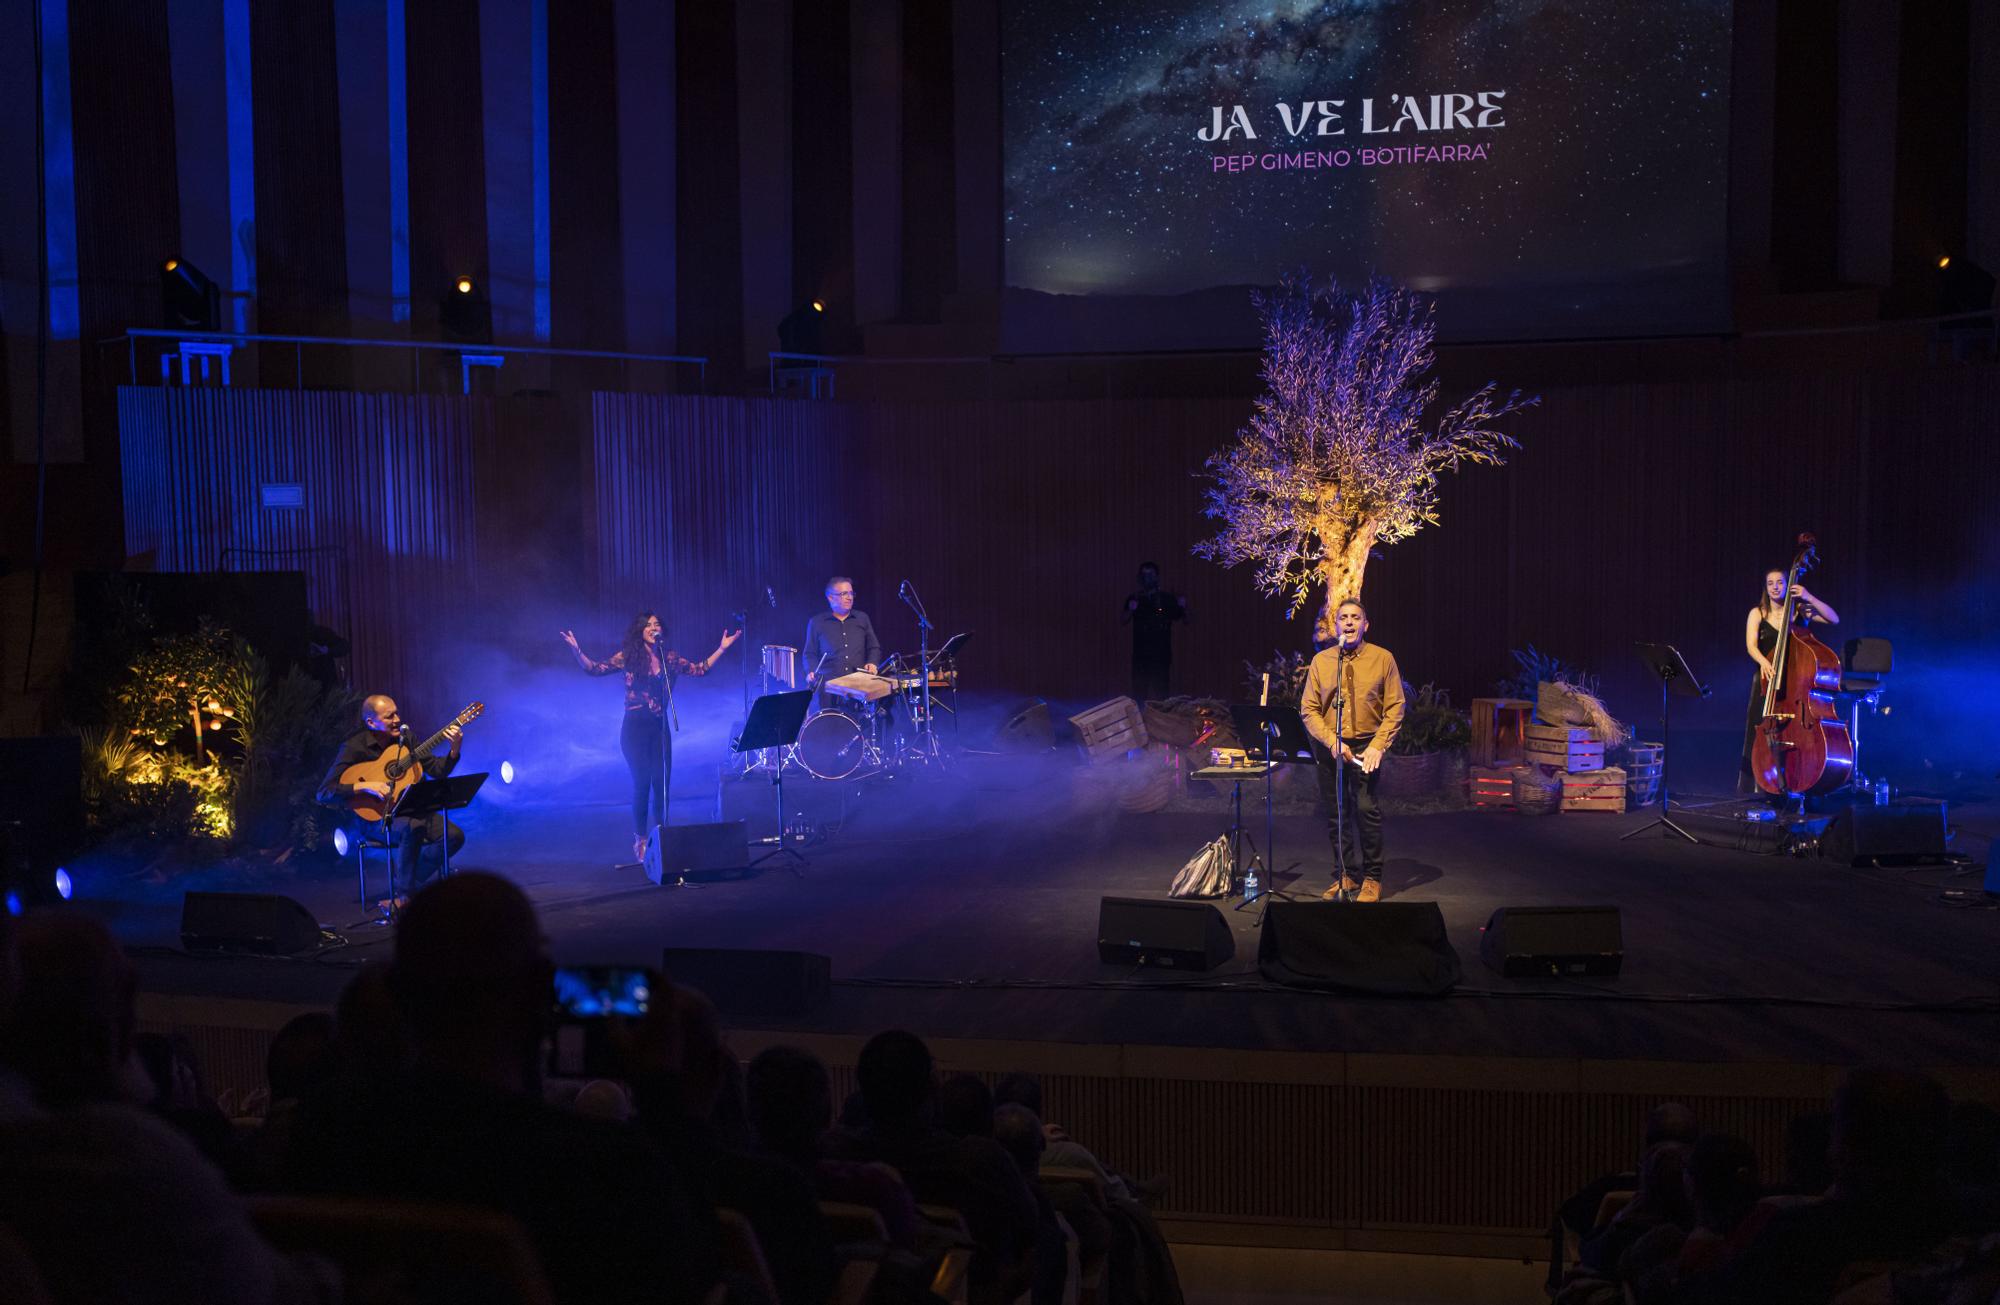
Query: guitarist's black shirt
point(368, 745)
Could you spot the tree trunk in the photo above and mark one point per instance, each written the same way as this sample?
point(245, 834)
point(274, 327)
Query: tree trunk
point(1346, 560)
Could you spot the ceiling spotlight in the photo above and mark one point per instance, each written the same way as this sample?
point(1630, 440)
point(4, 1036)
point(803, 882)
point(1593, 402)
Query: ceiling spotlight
point(1944, 261)
point(506, 772)
point(818, 307)
point(189, 301)
point(464, 312)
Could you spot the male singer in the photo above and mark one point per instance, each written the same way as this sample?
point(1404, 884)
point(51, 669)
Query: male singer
point(1353, 705)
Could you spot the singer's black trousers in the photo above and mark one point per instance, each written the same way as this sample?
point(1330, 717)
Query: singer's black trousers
point(649, 755)
point(1358, 803)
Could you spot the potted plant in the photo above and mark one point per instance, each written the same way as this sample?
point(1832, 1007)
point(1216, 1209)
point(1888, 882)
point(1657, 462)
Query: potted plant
point(1432, 731)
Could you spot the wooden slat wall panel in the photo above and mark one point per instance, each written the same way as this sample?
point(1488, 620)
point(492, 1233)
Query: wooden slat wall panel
point(388, 481)
point(702, 503)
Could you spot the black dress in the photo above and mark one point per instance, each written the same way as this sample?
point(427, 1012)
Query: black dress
point(1767, 643)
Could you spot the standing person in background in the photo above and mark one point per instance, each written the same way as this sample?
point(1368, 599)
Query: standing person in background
point(1151, 612)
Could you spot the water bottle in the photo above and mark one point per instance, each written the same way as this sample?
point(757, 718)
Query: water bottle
point(1881, 792)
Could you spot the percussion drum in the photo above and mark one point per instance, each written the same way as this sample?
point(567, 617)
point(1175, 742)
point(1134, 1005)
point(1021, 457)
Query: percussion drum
point(860, 686)
point(781, 665)
point(830, 745)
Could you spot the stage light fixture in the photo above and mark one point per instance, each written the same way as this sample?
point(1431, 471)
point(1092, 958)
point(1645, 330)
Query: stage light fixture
point(65, 886)
point(464, 312)
point(1963, 286)
point(341, 846)
point(15, 907)
point(802, 329)
point(506, 772)
point(189, 301)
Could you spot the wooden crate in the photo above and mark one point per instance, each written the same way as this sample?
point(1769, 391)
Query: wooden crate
point(1496, 730)
point(1563, 747)
point(1110, 729)
point(1594, 790)
point(1490, 788)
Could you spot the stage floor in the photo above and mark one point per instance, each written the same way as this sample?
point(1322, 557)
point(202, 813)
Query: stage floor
point(968, 908)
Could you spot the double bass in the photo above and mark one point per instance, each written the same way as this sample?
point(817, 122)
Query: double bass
point(1801, 745)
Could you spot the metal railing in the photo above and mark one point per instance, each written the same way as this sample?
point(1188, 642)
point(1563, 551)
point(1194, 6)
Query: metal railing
point(480, 354)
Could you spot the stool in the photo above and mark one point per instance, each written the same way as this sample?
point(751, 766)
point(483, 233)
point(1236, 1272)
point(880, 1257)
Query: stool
point(360, 841)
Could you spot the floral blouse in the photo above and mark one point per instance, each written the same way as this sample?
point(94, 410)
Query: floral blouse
point(647, 692)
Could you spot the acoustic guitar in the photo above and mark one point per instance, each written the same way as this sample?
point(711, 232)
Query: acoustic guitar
point(396, 769)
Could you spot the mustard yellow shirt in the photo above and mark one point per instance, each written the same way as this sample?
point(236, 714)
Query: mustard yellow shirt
point(1374, 696)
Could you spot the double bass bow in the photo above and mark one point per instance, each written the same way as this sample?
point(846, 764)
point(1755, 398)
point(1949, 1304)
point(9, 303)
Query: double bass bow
point(1801, 745)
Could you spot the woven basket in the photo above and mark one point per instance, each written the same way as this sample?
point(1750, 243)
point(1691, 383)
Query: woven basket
point(1536, 792)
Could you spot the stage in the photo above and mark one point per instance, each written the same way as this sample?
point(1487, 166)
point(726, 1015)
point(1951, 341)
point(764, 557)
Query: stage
point(966, 907)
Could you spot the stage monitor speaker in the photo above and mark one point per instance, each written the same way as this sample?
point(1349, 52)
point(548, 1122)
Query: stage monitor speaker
point(1396, 949)
point(679, 850)
point(747, 982)
point(1172, 935)
point(260, 923)
point(1904, 834)
point(1524, 942)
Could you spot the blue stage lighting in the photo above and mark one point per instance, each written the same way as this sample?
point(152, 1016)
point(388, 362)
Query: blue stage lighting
point(13, 903)
point(64, 886)
point(340, 843)
point(506, 772)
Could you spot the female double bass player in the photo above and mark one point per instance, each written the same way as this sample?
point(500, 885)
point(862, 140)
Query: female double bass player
point(1794, 741)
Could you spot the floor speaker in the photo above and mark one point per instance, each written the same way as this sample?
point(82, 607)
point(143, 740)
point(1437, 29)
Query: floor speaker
point(263, 924)
point(1172, 935)
point(743, 981)
point(1524, 942)
point(1389, 948)
point(1904, 834)
point(679, 850)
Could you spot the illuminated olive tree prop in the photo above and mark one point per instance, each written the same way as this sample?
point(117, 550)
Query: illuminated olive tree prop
point(1336, 459)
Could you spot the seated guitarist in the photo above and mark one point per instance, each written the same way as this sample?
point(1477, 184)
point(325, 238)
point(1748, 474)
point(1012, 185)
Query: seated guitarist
point(418, 856)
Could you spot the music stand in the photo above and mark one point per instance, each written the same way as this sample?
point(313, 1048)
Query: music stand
point(1671, 669)
point(774, 722)
point(1285, 743)
point(427, 798)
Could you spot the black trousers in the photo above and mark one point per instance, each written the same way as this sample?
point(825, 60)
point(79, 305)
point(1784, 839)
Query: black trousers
point(1149, 681)
point(649, 754)
point(1363, 812)
point(420, 851)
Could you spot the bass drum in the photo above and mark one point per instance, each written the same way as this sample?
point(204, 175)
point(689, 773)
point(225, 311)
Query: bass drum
point(829, 745)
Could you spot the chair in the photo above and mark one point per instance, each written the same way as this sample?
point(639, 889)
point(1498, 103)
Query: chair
point(359, 838)
point(1089, 1277)
point(1864, 664)
point(950, 1283)
point(742, 1255)
point(849, 1223)
point(487, 1255)
point(1609, 1208)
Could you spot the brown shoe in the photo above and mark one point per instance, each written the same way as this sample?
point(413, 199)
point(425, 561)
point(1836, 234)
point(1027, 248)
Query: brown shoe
point(1333, 894)
point(1343, 887)
point(1371, 891)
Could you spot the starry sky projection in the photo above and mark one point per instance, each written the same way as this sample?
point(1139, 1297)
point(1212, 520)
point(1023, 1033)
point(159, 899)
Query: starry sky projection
point(1612, 166)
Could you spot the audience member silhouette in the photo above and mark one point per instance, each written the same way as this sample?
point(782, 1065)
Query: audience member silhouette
point(778, 1201)
point(970, 1174)
point(965, 1106)
point(607, 1211)
point(1889, 1201)
point(109, 1201)
point(790, 1099)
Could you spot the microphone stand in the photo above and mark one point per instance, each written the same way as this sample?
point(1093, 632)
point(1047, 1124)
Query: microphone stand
point(926, 736)
point(1340, 771)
